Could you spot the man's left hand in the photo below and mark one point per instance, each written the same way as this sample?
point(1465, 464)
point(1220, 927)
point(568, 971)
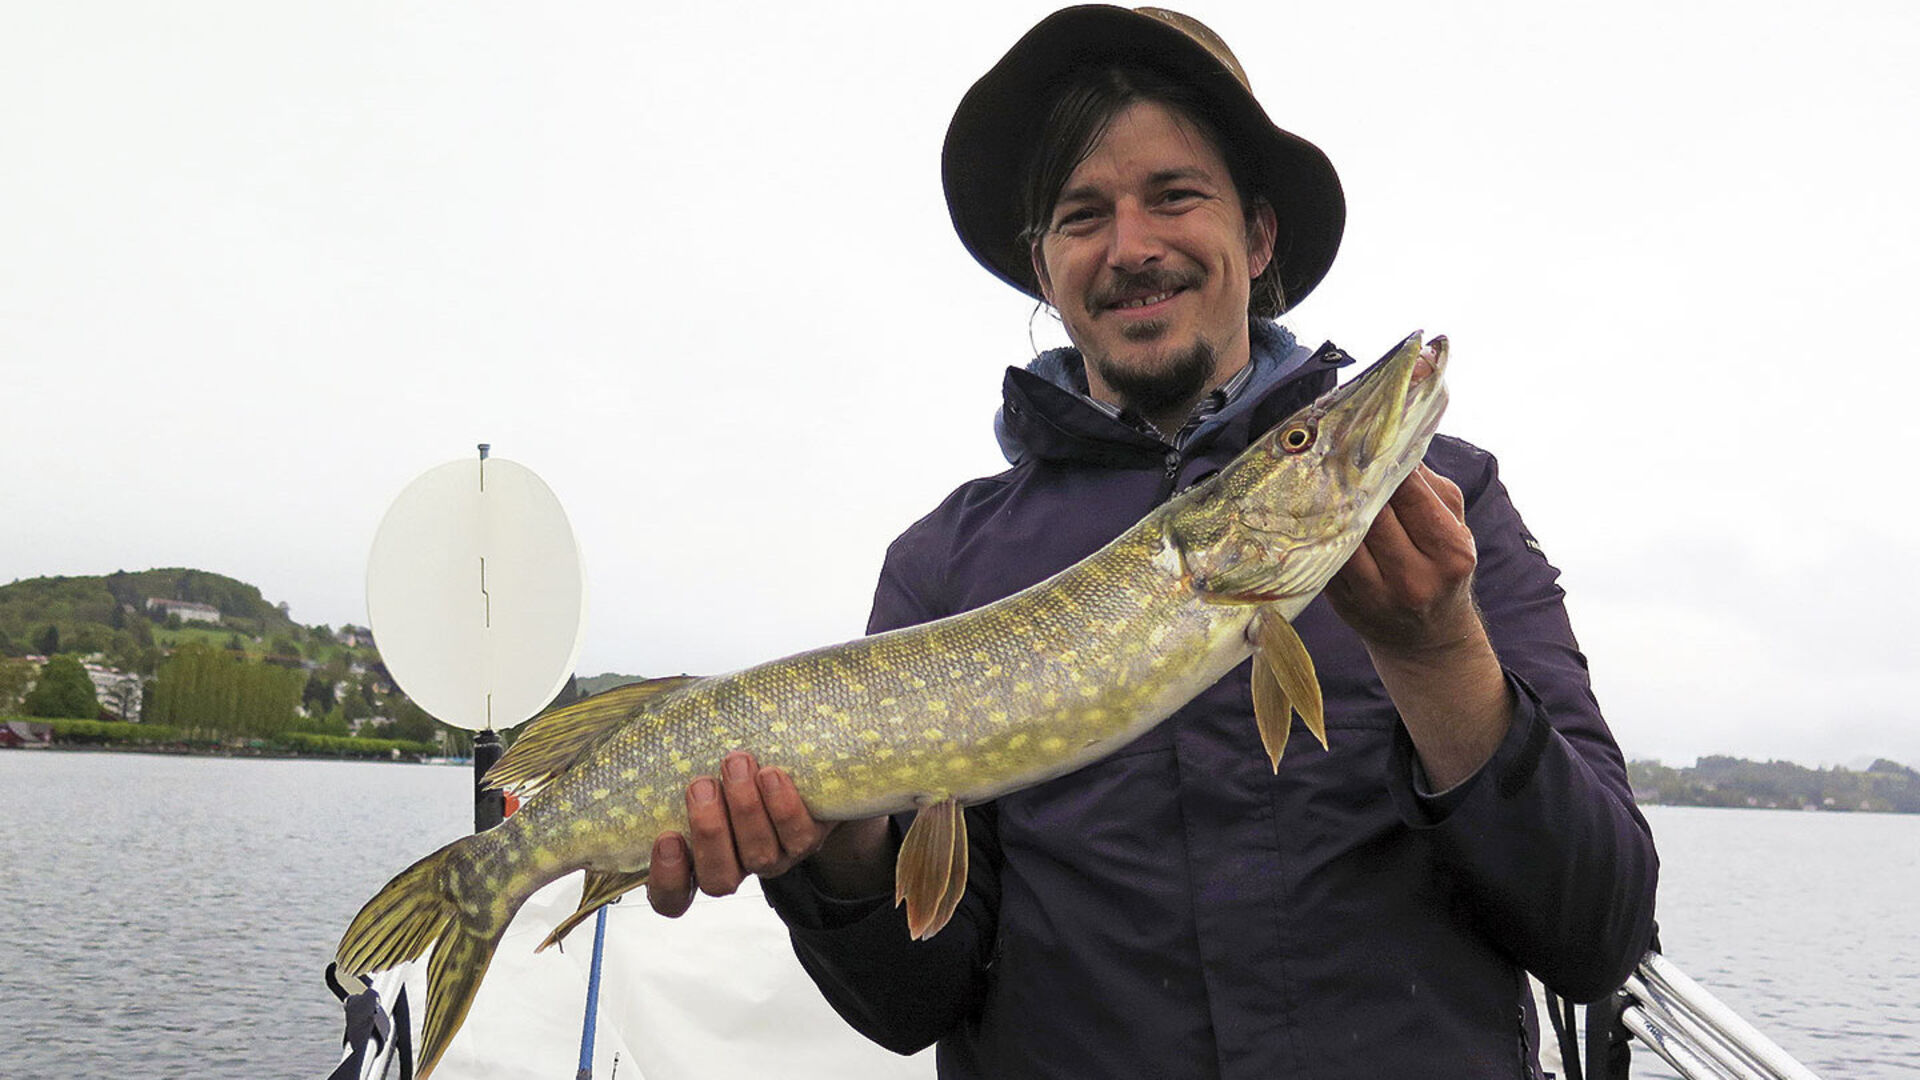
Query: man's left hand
point(1408, 593)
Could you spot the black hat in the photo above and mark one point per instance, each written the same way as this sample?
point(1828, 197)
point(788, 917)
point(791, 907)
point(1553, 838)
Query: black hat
point(993, 130)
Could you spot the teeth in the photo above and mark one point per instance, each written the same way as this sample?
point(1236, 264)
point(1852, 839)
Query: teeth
point(1145, 300)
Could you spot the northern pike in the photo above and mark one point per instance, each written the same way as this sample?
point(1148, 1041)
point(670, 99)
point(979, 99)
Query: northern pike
point(943, 715)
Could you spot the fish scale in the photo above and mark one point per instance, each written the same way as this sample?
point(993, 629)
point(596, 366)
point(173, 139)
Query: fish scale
point(941, 715)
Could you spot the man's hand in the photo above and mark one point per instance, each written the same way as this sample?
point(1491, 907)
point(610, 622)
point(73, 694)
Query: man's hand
point(751, 820)
point(1409, 588)
point(1408, 593)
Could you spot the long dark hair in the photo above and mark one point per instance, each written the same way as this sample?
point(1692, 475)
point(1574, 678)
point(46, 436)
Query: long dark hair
point(1080, 117)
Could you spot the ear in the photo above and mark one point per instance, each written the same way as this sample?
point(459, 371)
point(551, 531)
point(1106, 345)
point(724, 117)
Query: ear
point(1262, 227)
point(1040, 273)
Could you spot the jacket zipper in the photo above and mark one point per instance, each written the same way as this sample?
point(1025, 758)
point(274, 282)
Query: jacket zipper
point(1169, 477)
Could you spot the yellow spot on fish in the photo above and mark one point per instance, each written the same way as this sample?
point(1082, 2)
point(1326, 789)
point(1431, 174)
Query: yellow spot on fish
point(869, 735)
point(958, 763)
point(600, 793)
point(777, 726)
point(683, 766)
point(883, 753)
point(581, 826)
point(769, 707)
point(996, 717)
point(934, 733)
point(629, 774)
point(1019, 741)
point(936, 706)
point(993, 671)
point(1053, 742)
point(889, 701)
point(981, 656)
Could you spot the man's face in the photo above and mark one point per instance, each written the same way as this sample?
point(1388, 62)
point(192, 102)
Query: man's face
point(1149, 257)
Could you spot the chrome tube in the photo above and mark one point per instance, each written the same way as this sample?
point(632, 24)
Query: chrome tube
point(1666, 980)
point(1695, 1032)
point(1660, 1039)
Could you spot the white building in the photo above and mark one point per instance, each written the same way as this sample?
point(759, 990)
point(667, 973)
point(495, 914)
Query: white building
point(188, 610)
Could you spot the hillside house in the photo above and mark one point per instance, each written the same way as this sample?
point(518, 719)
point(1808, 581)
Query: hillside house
point(118, 692)
point(188, 610)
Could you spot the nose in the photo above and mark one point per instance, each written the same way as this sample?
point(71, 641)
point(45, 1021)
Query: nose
point(1135, 242)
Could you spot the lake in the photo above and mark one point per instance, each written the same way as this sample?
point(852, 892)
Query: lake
point(171, 916)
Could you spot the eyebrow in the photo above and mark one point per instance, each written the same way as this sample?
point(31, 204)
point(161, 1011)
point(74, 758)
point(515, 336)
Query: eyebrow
point(1158, 179)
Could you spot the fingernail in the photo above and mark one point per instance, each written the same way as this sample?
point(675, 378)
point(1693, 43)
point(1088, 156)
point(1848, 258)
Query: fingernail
point(771, 779)
point(705, 790)
point(735, 768)
point(670, 853)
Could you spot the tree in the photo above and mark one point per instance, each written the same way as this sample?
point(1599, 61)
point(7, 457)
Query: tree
point(63, 691)
point(48, 642)
point(15, 677)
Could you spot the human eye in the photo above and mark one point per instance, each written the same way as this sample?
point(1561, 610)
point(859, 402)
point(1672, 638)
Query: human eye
point(1076, 218)
point(1181, 198)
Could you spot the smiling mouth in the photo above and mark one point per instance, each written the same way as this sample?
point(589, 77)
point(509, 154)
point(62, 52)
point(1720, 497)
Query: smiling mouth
point(1144, 301)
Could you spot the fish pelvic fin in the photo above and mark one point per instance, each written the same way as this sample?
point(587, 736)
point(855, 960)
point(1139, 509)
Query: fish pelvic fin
point(603, 887)
point(930, 874)
point(416, 912)
point(1284, 682)
point(556, 740)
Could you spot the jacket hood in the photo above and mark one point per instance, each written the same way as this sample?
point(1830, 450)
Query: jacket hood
point(1045, 414)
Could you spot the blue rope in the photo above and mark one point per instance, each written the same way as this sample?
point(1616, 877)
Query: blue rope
point(593, 996)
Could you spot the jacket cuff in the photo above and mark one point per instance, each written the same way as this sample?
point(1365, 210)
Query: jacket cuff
point(1511, 766)
point(805, 905)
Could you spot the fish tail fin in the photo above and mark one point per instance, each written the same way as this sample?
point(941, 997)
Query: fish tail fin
point(417, 911)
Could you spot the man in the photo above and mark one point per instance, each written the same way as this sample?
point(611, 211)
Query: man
point(1178, 909)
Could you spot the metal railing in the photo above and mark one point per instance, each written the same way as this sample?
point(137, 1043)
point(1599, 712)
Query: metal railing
point(1679, 1020)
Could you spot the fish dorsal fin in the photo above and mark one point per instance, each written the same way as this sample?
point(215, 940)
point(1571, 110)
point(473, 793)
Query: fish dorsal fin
point(557, 739)
point(930, 875)
point(1283, 683)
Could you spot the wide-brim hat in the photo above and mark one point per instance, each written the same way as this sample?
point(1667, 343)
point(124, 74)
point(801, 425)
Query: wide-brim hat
point(994, 129)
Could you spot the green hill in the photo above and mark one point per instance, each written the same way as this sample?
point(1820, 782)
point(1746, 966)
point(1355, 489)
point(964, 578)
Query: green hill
point(109, 614)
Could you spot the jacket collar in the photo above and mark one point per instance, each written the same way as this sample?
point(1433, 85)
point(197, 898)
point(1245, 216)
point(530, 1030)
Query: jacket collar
point(1046, 416)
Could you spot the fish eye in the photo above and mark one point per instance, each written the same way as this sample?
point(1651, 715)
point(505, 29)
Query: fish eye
point(1296, 438)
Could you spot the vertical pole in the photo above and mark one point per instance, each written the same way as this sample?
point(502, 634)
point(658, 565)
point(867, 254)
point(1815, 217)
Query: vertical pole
point(593, 996)
point(489, 807)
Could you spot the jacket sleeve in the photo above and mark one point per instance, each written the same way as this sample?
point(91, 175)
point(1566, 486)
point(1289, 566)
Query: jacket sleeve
point(1544, 841)
point(897, 992)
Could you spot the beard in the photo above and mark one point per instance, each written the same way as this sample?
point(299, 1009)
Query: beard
point(1164, 380)
point(1168, 381)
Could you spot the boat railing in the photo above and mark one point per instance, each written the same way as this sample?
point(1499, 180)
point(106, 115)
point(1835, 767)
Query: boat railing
point(1693, 1031)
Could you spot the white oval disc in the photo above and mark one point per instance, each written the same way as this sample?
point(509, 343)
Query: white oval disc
point(475, 594)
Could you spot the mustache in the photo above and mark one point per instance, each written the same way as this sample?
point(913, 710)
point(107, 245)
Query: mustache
point(1132, 283)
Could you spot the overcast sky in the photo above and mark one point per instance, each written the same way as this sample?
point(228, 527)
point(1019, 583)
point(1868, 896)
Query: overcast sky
point(262, 264)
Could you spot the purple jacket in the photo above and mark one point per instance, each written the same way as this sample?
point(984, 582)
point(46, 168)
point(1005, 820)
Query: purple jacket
point(1176, 910)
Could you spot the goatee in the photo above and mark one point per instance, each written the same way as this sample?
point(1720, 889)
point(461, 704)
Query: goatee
point(1175, 380)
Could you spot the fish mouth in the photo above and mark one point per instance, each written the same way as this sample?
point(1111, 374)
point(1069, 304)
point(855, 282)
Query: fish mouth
point(1393, 407)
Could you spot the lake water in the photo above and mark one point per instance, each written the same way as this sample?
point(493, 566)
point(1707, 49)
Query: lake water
point(166, 916)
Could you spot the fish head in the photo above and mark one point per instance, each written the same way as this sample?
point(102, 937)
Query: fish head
point(1282, 519)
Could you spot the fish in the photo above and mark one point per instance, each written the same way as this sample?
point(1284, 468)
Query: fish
point(940, 716)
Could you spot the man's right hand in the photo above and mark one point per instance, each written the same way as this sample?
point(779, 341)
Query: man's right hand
point(751, 820)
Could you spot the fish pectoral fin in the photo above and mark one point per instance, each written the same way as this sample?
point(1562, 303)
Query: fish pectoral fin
point(603, 887)
point(930, 874)
point(1272, 712)
point(554, 741)
point(1284, 683)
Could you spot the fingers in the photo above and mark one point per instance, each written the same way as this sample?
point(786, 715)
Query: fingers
point(749, 820)
point(800, 835)
point(716, 866)
point(670, 880)
point(754, 841)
